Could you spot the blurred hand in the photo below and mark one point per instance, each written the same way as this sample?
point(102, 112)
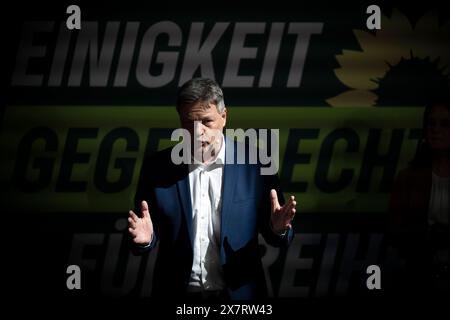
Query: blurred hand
point(141, 228)
point(281, 216)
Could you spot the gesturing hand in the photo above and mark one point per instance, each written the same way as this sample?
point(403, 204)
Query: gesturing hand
point(281, 217)
point(141, 228)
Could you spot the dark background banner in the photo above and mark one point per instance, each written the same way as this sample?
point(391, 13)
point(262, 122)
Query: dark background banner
point(80, 108)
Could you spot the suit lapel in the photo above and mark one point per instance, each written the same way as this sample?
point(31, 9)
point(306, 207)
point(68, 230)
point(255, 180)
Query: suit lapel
point(185, 199)
point(229, 179)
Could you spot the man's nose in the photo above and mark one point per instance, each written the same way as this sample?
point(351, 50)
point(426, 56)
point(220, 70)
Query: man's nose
point(199, 128)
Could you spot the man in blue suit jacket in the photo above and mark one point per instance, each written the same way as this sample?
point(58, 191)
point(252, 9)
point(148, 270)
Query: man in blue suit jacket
point(206, 216)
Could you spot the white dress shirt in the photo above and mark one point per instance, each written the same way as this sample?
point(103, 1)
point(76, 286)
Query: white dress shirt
point(205, 182)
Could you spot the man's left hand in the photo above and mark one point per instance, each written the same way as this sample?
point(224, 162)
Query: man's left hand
point(281, 216)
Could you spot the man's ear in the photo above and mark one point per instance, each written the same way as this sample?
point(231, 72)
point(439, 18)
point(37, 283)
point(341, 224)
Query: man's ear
point(224, 116)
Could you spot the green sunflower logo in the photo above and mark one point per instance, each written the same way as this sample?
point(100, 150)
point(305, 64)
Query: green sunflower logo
point(398, 65)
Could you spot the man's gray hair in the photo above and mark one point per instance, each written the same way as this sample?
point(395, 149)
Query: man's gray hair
point(201, 90)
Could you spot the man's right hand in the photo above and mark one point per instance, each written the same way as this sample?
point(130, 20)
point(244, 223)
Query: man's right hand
point(141, 228)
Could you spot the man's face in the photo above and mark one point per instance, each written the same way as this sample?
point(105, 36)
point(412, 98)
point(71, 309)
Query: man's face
point(438, 128)
point(205, 125)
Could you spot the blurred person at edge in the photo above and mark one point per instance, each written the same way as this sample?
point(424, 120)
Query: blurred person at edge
point(419, 207)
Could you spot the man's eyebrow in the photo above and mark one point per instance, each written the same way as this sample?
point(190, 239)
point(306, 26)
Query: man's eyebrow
point(192, 119)
point(198, 118)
